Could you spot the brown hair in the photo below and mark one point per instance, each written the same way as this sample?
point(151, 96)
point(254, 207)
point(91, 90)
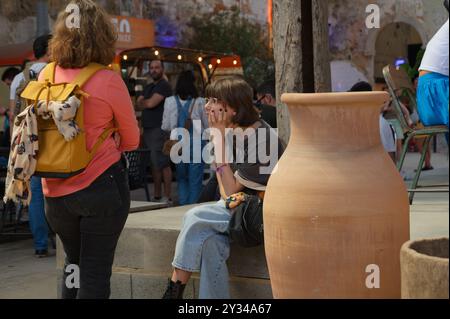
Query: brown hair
point(237, 94)
point(93, 41)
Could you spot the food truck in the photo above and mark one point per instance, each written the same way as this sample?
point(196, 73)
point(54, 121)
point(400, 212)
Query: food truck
point(136, 48)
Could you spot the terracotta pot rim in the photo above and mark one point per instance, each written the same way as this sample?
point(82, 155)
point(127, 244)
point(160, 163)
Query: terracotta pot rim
point(406, 248)
point(335, 98)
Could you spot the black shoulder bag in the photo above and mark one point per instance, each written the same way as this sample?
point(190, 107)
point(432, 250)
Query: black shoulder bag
point(246, 226)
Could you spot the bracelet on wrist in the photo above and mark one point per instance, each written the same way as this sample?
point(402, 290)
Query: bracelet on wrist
point(220, 168)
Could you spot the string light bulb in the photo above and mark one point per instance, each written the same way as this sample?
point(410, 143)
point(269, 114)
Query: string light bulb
point(180, 57)
point(156, 52)
point(219, 61)
point(210, 66)
point(125, 57)
point(235, 62)
point(200, 59)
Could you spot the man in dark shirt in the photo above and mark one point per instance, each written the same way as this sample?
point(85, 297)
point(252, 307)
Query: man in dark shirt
point(152, 105)
point(267, 103)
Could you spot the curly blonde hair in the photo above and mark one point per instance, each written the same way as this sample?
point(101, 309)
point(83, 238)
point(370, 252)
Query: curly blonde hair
point(93, 41)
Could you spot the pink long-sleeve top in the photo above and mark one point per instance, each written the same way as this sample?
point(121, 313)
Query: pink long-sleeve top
point(108, 105)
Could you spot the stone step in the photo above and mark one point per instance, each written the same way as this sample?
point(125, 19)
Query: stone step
point(126, 284)
point(146, 248)
point(149, 238)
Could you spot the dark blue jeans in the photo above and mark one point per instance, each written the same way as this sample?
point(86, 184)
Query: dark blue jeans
point(189, 179)
point(36, 212)
point(89, 223)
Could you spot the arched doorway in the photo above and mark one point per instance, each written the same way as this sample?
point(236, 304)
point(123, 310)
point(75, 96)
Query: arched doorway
point(396, 41)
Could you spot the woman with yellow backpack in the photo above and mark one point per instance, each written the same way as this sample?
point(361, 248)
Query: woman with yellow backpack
point(87, 202)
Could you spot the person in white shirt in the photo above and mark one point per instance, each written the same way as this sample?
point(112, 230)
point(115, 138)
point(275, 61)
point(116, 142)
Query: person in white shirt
point(36, 211)
point(185, 110)
point(40, 46)
point(386, 132)
point(433, 86)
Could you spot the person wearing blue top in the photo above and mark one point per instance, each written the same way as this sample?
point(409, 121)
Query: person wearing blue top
point(433, 86)
point(185, 110)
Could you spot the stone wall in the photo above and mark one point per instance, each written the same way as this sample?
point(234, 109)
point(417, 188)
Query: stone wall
point(18, 17)
point(350, 40)
point(392, 43)
point(18, 21)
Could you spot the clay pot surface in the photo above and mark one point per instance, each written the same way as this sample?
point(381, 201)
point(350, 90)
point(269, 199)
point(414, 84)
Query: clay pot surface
point(336, 209)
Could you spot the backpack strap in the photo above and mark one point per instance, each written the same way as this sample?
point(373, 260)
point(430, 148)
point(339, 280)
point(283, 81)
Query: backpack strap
point(189, 101)
point(84, 75)
point(80, 80)
point(26, 73)
point(106, 134)
point(177, 99)
point(48, 73)
point(191, 108)
point(87, 72)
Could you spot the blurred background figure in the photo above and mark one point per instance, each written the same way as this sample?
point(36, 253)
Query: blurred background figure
point(267, 103)
point(180, 111)
point(7, 77)
point(151, 102)
point(36, 211)
point(386, 131)
point(9, 74)
point(433, 86)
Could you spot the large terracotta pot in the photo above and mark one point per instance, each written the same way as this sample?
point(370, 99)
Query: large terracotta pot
point(424, 265)
point(336, 204)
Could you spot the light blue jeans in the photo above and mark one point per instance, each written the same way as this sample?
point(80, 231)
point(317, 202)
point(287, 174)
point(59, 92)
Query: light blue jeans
point(203, 246)
point(36, 212)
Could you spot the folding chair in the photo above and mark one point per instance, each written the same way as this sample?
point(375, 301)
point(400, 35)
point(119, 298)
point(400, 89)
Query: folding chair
point(137, 171)
point(398, 83)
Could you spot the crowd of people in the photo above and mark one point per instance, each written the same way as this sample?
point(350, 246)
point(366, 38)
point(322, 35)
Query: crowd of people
point(164, 111)
point(17, 81)
point(88, 211)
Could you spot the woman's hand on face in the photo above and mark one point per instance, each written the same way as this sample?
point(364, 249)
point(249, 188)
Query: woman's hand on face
point(218, 120)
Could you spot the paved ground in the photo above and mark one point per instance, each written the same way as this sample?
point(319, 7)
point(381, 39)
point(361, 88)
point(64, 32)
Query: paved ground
point(24, 276)
point(429, 212)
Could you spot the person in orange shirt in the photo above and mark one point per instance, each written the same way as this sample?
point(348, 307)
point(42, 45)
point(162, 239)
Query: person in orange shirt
point(88, 211)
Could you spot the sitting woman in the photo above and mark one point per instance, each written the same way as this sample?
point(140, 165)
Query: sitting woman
point(203, 244)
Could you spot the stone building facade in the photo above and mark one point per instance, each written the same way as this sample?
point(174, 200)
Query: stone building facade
point(402, 23)
point(18, 17)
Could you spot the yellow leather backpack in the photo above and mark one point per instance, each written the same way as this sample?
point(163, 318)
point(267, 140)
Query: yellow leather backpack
point(58, 158)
